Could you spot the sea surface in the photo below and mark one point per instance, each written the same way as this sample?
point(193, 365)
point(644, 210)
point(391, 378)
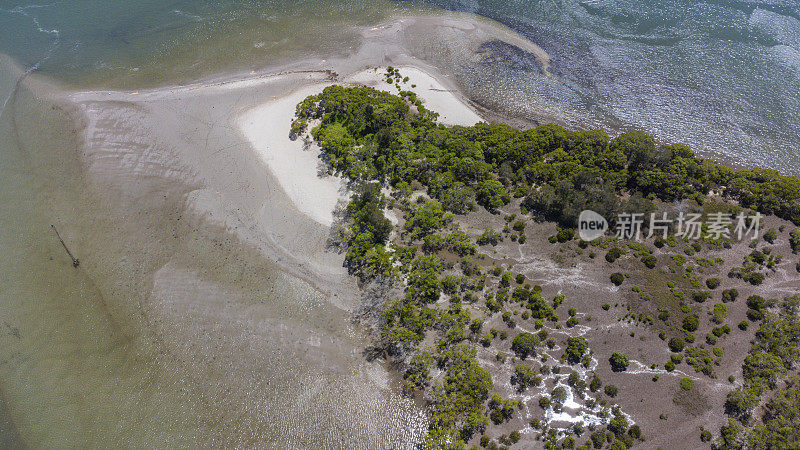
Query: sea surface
point(722, 76)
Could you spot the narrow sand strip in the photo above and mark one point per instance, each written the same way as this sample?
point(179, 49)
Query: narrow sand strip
point(266, 127)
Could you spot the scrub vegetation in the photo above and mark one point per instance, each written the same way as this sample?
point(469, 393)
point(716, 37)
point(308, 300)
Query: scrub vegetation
point(447, 284)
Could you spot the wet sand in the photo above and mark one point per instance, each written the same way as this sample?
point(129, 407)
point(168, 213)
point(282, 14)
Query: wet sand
point(207, 309)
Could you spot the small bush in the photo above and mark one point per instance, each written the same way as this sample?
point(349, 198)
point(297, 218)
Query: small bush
point(729, 295)
point(713, 283)
point(614, 254)
point(690, 323)
point(490, 237)
point(524, 344)
point(619, 362)
point(617, 278)
point(687, 384)
point(676, 345)
point(565, 234)
point(754, 278)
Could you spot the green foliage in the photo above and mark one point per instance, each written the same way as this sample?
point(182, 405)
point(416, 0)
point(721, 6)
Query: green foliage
point(719, 313)
point(713, 283)
point(576, 348)
point(492, 194)
point(676, 345)
point(525, 376)
point(458, 400)
point(729, 295)
point(754, 278)
point(378, 141)
point(460, 243)
point(565, 235)
point(524, 344)
point(500, 409)
point(619, 362)
point(617, 278)
point(690, 323)
point(649, 261)
point(426, 219)
point(298, 126)
point(595, 384)
point(781, 420)
point(490, 237)
point(687, 384)
point(762, 369)
point(614, 253)
point(417, 375)
point(794, 240)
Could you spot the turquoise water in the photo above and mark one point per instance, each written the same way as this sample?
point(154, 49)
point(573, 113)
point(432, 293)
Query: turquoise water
point(75, 367)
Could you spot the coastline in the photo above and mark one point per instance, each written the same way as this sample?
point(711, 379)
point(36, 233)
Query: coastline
point(300, 171)
point(192, 249)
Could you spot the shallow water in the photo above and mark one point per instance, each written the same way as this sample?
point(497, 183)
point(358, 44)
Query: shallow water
point(721, 76)
point(167, 334)
point(95, 357)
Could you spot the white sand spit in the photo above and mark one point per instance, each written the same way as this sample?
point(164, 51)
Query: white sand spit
point(266, 127)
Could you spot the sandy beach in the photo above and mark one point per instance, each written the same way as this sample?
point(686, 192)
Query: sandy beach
point(301, 172)
point(203, 233)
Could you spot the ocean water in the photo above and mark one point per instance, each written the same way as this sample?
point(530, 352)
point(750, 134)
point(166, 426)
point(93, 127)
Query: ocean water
point(76, 368)
point(722, 76)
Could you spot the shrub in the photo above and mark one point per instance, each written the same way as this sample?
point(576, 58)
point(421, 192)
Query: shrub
point(719, 313)
point(490, 237)
point(713, 283)
point(595, 384)
point(565, 235)
point(525, 376)
point(544, 402)
point(298, 126)
point(770, 235)
point(619, 362)
point(690, 323)
point(611, 390)
point(757, 302)
point(576, 347)
point(729, 295)
point(676, 345)
point(524, 344)
point(754, 278)
point(687, 384)
point(669, 366)
point(794, 240)
point(617, 278)
point(614, 254)
point(649, 261)
point(755, 315)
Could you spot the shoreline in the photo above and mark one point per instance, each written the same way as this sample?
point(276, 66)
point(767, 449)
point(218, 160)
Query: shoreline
point(301, 171)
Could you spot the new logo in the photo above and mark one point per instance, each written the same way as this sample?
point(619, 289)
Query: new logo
point(591, 225)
